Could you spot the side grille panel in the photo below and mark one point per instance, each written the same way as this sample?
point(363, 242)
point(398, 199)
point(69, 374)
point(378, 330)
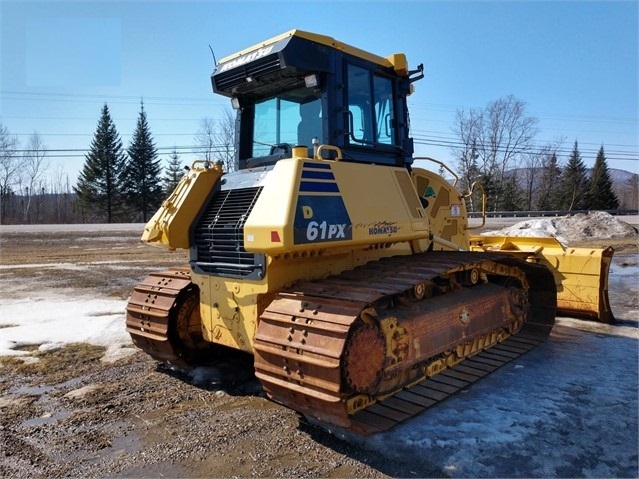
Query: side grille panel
point(219, 236)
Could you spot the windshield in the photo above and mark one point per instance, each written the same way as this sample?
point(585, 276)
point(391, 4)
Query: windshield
point(289, 118)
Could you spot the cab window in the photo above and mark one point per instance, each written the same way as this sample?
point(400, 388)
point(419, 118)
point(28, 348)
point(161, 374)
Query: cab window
point(370, 112)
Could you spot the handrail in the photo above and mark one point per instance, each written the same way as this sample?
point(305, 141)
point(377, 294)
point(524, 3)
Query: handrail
point(483, 204)
point(442, 164)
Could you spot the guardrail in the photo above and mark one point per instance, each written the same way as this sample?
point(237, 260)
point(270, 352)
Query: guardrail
point(530, 214)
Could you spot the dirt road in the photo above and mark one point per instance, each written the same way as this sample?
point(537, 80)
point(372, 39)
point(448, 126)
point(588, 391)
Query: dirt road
point(71, 414)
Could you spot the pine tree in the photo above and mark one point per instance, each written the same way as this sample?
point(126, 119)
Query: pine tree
point(574, 185)
point(98, 187)
point(141, 176)
point(512, 198)
point(441, 171)
point(601, 196)
point(173, 173)
point(550, 193)
point(493, 191)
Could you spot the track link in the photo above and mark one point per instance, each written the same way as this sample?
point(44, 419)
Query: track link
point(303, 338)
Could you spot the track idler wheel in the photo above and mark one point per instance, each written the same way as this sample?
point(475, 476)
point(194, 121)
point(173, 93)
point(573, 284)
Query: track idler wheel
point(185, 326)
point(363, 363)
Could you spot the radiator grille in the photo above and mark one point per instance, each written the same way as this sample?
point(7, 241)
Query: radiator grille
point(219, 236)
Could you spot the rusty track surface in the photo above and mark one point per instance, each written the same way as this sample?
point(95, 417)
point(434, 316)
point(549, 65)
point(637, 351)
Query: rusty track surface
point(302, 339)
point(149, 310)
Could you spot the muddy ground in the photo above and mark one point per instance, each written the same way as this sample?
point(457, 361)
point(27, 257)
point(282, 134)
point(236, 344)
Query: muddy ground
point(72, 415)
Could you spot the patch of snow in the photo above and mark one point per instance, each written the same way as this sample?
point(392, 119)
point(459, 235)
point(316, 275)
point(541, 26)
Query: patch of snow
point(50, 320)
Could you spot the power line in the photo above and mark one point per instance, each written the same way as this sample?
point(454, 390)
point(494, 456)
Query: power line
point(125, 135)
point(454, 141)
point(57, 118)
point(41, 96)
point(556, 115)
point(81, 152)
point(130, 98)
point(611, 155)
point(429, 136)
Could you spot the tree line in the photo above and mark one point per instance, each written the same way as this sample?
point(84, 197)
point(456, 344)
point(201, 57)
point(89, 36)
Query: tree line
point(498, 151)
point(117, 184)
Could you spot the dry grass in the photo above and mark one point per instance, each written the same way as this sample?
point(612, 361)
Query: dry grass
point(67, 359)
point(108, 263)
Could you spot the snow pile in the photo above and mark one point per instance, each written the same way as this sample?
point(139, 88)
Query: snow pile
point(571, 229)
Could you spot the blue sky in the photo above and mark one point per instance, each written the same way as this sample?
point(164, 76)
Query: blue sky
point(573, 63)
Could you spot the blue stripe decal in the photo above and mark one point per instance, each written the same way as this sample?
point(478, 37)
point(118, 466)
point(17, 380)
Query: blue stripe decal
point(318, 175)
point(313, 186)
point(318, 166)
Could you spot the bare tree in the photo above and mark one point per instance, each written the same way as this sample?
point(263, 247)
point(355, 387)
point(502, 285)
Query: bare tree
point(629, 196)
point(61, 196)
point(510, 134)
point(225, 139)
point(34, 166)
point(501, 134)
point(205, 139)
point(10, 164)
point(468, 129)
point(216, 140)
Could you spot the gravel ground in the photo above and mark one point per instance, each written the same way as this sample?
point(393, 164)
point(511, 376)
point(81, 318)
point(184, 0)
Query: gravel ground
point(132, 419)
point(72, 415)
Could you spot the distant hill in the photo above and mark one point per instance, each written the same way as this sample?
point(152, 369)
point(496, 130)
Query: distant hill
point(619, 177)
point(624, 187)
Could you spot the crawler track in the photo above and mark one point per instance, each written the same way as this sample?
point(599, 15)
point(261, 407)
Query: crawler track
point(305, 337)
point(154, 303)
point(314, 354)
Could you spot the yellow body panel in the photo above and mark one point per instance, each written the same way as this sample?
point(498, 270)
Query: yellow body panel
point(445, 208)
point(228, 308)
point(170, 225)
point(581, 274)
point(306, 203)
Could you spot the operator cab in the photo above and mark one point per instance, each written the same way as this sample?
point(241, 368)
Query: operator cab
point(303, 89)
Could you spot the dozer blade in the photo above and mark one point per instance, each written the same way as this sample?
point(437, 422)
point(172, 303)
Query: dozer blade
point(581, 274)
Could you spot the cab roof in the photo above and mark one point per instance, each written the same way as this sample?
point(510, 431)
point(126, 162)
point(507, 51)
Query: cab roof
point(396, 61)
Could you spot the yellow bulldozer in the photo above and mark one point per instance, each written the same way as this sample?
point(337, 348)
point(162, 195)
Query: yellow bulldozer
point(348, 273)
